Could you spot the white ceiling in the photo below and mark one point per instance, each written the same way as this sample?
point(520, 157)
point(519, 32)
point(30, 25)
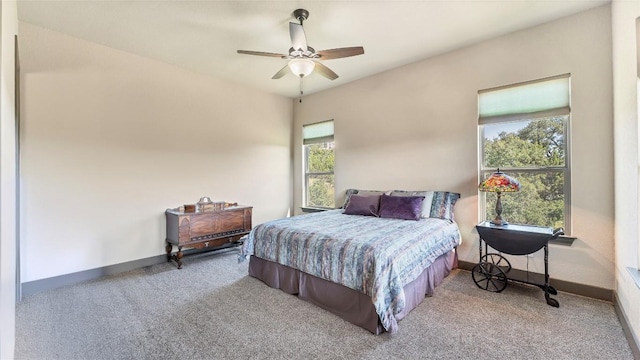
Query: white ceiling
point(204, 35)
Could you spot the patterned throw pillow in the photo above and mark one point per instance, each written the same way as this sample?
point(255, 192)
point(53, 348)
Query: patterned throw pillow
point(442, 205)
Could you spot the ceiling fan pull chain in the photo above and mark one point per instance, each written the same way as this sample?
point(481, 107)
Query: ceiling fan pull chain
point(301, 92)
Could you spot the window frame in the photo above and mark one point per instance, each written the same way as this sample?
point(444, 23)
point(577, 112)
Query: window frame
point(484, 172)
point(306, 141)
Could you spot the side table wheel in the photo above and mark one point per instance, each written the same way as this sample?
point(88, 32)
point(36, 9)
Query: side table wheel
point(489, 277)
point(497, 260)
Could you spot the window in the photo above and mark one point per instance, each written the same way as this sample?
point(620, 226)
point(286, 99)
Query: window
point(319, 158)
point(524, 132)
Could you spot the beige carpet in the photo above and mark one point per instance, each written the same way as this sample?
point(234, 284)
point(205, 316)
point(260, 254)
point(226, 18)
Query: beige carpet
point(211, 309)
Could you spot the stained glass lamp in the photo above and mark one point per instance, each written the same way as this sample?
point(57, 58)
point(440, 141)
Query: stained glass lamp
point(498, 183)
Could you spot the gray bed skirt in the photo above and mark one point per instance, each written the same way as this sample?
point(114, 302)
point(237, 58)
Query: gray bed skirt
point(351, 305)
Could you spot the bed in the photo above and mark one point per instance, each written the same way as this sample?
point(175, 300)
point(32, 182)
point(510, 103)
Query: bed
point(368, 266)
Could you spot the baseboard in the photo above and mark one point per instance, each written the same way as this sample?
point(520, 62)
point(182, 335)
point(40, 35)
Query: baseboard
point(566, 286)
point(37, 286)
point(634, 343)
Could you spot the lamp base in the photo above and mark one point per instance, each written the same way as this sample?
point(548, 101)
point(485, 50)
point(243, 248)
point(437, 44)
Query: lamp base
point(499, 222)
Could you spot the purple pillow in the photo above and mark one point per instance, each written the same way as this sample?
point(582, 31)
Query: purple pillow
point(363, 205)
point(401, 207)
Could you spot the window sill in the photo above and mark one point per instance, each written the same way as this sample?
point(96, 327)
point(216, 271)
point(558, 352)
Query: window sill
point(306, 209)
point(563, 240)
point(635, 275)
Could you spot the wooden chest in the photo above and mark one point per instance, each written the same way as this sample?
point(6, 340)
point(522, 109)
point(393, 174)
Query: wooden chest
point(209, 229)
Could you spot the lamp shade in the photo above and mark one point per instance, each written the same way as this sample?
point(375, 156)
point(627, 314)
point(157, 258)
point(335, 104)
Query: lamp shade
point(499, 182)
point(301, 67)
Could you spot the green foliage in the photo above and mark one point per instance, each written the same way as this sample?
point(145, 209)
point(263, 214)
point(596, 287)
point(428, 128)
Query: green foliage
point(321, 191)
point(321, 157)
point(539, 144)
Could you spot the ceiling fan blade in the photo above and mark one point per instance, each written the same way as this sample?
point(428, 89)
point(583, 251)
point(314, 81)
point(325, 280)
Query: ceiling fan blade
point(281, 73)
point(340, 52)
point(325, 71)
point(260, 53)
point(298, 39)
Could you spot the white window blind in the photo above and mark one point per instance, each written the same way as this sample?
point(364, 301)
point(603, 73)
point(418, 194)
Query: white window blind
point(317, 133)
point(535, 99)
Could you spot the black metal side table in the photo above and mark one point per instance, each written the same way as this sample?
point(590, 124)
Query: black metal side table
point(492, 272)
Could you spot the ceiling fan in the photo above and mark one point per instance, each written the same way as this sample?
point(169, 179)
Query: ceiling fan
point(303, 59)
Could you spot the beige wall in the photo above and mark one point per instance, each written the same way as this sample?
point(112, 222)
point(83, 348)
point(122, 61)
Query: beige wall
point(8, 29)
point(110, 140)
point(415, 128)
point(625, 80)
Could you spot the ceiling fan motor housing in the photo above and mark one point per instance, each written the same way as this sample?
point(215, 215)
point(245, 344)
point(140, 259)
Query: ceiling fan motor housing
point(301, 15)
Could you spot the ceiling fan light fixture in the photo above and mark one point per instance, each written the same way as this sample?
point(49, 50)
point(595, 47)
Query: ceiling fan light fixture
point(301, 67)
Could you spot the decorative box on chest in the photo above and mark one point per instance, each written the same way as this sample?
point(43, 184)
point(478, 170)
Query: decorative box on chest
point(212, 229)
